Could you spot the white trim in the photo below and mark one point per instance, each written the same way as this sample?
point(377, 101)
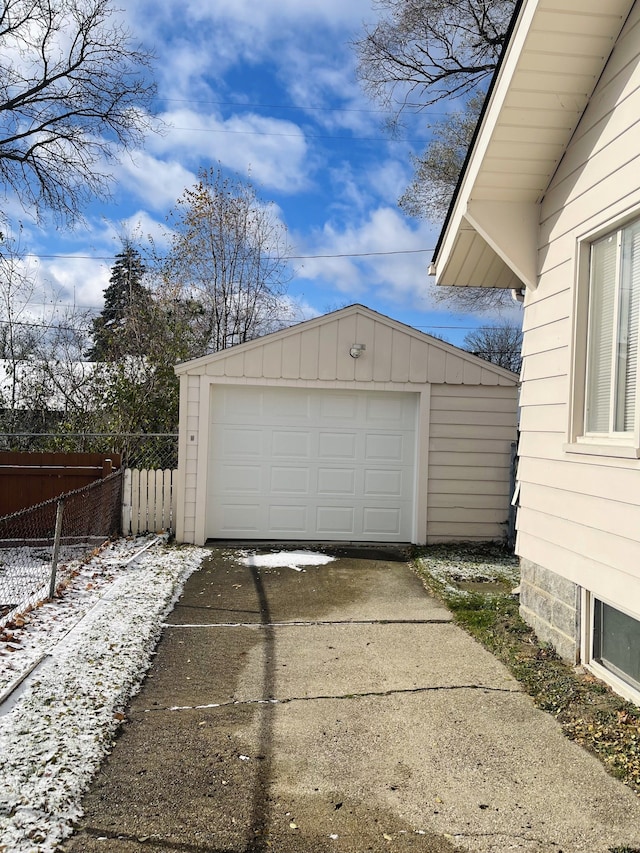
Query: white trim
point(421, 483)
point(204, 422)
point(602, 446)
point(624, 445)
point(513, 52)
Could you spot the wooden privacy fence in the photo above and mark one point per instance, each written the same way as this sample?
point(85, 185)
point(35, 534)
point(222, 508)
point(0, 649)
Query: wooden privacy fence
point(27, 479)
point(148, 501)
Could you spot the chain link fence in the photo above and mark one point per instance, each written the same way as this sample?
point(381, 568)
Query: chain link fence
point(144, 451)
point(39, 545)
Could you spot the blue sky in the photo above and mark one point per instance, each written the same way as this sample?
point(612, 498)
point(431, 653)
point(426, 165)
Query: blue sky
point(267, 88)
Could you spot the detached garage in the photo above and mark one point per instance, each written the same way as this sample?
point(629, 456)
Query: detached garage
point(349, 427)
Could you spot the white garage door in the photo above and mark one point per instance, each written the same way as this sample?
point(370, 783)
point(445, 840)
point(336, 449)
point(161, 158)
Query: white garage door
point(291, 463)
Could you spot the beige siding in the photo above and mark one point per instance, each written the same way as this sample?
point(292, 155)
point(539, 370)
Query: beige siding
point(471, 432)
point(319, 351)
point(579, 514)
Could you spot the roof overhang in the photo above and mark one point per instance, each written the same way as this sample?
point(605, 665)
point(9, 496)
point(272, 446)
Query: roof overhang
point(551, 63)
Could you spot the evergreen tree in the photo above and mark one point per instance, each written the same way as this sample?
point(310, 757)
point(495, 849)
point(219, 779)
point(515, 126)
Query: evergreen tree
point(118, 330)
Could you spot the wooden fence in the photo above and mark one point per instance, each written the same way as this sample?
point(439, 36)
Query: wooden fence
point(27, 479)
point(148, 501)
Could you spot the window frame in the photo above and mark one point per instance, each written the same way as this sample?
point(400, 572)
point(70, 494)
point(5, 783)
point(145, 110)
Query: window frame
point(618, 684)
point(579, 440)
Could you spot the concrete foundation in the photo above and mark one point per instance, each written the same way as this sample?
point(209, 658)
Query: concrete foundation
point(551, 605)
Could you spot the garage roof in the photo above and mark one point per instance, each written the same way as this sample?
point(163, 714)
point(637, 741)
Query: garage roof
point(551, 63)
point(318, 350)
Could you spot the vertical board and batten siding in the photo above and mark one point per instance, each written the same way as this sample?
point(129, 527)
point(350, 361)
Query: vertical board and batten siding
point(312, 355)
point(580, 513)
point(470, 438)
point(397, 358)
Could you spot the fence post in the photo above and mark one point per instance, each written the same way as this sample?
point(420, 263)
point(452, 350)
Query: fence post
point(56, 548)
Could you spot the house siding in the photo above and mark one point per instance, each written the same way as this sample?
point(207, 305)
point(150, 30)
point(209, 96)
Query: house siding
point(579, 522)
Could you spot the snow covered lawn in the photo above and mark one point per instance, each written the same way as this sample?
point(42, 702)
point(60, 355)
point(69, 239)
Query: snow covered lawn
point(74, 664)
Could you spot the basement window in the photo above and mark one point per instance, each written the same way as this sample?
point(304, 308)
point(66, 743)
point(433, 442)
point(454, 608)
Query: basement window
point(616, 643)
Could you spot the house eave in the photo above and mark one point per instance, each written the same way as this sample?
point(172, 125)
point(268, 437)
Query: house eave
point(551, 64)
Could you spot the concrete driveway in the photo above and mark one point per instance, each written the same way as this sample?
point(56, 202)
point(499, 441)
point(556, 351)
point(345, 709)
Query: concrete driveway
point(337, 708)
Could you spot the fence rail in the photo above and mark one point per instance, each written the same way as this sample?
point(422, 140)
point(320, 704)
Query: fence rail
point(148, 451)
point(39, 545)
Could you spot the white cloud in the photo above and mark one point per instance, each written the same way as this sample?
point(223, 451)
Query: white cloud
point(397, 276)
point(156, 182)
point(272, 150)
point(75, 280)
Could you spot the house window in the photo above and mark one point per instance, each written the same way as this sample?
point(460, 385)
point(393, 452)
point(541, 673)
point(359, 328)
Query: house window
point(612, 338)
point(616, 643)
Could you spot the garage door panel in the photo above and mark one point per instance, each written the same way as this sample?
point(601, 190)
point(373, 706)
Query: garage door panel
point(312, 464)
point(242, 478)
point(239, 519)
point(387, 414)
point(337, 445)
point(332, 407)
point(290, 519)
point(285, 405)
point(242, 442)
point(288, 444)
point(380, 521)
point(243, 404)
point(378, 483)
point(288, 480)
point(333, 520)
point(387, 447)
point(336, 481)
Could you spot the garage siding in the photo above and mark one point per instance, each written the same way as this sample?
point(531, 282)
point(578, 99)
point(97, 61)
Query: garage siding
point(470, 438)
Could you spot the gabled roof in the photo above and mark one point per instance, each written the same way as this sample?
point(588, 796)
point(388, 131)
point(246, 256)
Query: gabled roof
point(548, 71)
point(315, 351)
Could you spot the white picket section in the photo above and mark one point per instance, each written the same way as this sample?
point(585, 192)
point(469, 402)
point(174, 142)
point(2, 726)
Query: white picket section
point(148, 501)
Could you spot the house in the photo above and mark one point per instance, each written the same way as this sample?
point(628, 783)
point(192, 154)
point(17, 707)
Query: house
point(348, 427)
point(548, 204)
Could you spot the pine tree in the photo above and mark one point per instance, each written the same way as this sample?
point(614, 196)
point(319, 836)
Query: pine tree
point(117, 331)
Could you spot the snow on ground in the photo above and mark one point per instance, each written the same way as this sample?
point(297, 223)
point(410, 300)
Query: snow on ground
point(452, 565)
point(81, 659)
point(295, 560)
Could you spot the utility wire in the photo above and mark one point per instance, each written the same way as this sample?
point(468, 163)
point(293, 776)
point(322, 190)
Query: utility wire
point(54, 325)
point(267, 258)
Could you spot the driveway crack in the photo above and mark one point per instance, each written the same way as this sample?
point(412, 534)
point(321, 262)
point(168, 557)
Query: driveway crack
point(369, 694)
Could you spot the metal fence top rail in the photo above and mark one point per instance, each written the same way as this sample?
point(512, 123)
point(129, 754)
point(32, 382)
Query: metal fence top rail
point(90, 434)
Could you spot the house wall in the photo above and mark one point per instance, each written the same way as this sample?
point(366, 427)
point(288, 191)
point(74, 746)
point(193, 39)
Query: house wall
point(579, 517)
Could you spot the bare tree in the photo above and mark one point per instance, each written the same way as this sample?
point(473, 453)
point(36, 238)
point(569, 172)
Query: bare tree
point(424, 51)
point(436, 171)
point(500, 344)
point(19, 334)
point(73, 91)
point(228, 263)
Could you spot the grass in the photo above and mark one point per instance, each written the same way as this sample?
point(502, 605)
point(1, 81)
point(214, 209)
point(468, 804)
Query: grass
point(476, 583)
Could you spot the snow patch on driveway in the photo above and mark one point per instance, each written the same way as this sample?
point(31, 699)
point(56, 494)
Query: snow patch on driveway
point(295, 560)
